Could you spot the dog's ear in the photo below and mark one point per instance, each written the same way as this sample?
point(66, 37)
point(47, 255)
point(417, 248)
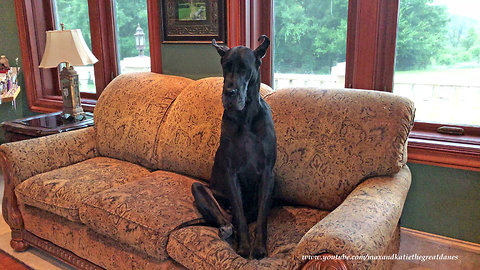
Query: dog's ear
point(222, 50)
point(261, 50)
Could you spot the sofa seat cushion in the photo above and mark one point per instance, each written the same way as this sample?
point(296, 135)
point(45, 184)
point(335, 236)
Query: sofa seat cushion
point(62, 190)
point(199, 247)
point(142, 214)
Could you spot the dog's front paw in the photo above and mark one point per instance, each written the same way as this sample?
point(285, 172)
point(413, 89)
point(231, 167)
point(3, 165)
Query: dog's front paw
point(225, 231)
point(243, 250)
point(258, 252)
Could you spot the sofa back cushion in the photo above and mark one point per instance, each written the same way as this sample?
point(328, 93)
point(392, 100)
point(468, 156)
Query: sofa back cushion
point(129, 113)
point(328, 141)
point(191, 132)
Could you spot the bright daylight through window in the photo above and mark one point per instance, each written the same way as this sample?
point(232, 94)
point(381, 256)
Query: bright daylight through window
point(438, 59)
point(132, 35)
point(74, 15)
point(310, 43)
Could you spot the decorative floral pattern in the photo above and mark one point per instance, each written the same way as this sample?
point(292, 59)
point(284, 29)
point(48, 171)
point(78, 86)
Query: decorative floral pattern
point(200, 247)
point(191, 132)
point(50, 152)
point(328, 141)
point(142, 213)
point(365, 223)
point(62, 190)
point(98, 249)
point(129, 113)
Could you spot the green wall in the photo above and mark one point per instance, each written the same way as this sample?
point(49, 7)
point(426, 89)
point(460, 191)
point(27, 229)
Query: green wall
point(10, 47)
point(442, 201)
point(194, 61)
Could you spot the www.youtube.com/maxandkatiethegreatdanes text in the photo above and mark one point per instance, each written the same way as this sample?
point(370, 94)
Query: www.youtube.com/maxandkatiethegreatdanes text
point(403, 257)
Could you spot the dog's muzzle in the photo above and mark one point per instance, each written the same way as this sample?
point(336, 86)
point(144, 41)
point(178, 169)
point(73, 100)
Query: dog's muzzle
point(233, 99)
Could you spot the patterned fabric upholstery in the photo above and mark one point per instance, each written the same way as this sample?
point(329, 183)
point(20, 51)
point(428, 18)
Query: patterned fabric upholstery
point(328, 141)
point(191, 133)
point(141, 214)
point(62, 190)
point(129, 112)
point(84, 242)
point(51, 152)
point(363, 224)
point(200, 247)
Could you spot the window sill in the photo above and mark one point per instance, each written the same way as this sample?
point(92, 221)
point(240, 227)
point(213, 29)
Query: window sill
point(461, 152)
point(54, 104)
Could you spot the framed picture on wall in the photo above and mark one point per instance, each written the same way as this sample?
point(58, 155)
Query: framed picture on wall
point(193, 21)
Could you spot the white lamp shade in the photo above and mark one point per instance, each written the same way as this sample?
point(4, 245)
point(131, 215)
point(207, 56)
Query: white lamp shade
point(66, 46)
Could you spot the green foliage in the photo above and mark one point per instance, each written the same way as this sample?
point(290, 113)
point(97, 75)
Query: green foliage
point(421, 33)
point(74, 14)
point(310, 35)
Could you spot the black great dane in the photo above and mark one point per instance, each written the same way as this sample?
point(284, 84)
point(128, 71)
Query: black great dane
point(242, 182)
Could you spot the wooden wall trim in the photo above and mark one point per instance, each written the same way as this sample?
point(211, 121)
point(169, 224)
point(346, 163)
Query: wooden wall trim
point(102, 30)
point(261, 22)
point(236, 23)
point(444, 154)
point(371, 37)
point(155, 35)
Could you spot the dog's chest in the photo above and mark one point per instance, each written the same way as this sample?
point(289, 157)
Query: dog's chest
point(249, 155)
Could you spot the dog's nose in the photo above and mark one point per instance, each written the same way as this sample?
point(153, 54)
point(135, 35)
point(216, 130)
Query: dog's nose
point(231, 92)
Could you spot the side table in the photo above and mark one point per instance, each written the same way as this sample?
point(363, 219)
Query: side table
point(41, 125)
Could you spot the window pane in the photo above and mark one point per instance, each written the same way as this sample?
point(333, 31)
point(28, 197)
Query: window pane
point(132, 35)
point(74, 15)
point(438, 59)
point(310, 43)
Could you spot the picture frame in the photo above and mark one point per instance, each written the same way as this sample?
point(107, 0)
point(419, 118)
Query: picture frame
point(193, 21)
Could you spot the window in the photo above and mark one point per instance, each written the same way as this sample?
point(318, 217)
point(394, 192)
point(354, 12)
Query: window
point(438, 60)
point(310, 43)
point(132, 35)
point(109, 37)
point(370, 60)
point(74, 15)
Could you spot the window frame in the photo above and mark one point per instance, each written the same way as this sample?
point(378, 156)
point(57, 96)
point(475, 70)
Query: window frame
point(34, 17)
point(370, 63)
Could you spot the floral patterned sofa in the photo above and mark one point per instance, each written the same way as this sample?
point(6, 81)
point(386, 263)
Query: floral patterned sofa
point(109, 196)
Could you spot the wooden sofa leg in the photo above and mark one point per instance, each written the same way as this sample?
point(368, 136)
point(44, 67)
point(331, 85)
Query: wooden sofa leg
point(324, 261)
point(10, 210)
point(17, 242)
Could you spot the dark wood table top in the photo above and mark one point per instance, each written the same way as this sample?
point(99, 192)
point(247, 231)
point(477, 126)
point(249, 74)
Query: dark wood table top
point(45, 124)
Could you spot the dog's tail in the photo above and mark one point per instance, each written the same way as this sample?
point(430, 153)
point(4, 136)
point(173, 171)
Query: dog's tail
point(224, 231)
point(193, 222)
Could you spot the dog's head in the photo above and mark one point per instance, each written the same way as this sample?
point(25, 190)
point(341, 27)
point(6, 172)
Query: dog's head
point(240, 67)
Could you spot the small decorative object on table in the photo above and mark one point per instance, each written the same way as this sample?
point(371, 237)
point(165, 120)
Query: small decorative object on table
point(9, 88)
point(69, 47)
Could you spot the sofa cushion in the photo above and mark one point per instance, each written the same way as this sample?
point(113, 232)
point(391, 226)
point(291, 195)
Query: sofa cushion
point(191, 132)
point(199, 247)
point(328, 141)
point(142, 214)
point(129, 113)
point(62, 190)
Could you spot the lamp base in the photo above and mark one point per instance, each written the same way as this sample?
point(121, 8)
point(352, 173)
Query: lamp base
point(72, 107)
point(73, 118)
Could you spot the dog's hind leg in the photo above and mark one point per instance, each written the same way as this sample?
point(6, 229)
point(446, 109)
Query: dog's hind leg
point(213, 213)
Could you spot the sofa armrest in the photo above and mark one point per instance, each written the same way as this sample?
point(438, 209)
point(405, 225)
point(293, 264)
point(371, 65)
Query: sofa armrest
point(362, 225)
point(23, 159)
point(27, 158)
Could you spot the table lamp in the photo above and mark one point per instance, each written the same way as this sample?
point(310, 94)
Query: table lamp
point(69, 47)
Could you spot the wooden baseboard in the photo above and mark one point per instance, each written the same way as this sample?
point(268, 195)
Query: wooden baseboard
point(441, 240)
